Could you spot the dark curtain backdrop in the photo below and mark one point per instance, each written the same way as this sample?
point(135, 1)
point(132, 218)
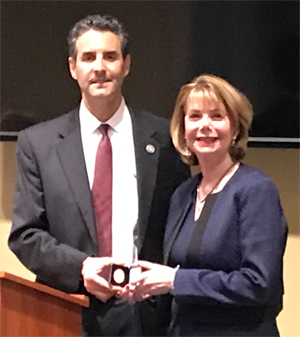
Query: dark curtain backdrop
point(252, 44)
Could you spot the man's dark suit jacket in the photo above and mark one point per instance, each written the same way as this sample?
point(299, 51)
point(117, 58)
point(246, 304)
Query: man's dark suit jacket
point(53, 224)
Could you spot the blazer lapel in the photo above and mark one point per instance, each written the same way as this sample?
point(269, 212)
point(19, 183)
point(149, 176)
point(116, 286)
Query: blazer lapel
point(70, 154)
point(177, 227)
point(178, 221)
point(147, 150)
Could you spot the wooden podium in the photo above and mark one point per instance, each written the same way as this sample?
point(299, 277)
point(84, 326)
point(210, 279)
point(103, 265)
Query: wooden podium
point(32, 309)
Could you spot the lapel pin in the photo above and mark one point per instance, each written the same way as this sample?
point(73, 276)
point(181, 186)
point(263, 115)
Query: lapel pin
point(150, 148)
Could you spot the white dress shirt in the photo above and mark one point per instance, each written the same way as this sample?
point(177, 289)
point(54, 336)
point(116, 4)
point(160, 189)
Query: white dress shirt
point(125, 196)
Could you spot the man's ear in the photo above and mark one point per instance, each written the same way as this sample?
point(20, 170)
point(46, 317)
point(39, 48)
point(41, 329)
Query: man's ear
point(127, 62)
point(72, 67)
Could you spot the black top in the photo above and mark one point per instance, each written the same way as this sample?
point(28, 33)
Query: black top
point(187, 256)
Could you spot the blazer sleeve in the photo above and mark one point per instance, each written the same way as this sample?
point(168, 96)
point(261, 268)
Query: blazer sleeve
point(262, 240)
point(54, 263)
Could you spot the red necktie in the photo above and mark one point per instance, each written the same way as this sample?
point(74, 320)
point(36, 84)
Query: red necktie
point(102, 193)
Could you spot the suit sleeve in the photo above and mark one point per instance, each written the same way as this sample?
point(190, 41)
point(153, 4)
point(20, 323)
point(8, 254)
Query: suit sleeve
point(55, 264)
point(262, 239)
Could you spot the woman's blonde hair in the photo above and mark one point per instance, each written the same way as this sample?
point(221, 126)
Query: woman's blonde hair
point(237, 106)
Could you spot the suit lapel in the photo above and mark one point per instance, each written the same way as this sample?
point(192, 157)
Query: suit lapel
point(147, 150)
point(70, 154)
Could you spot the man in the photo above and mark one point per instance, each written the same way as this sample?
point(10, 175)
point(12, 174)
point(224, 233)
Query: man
point(55, 222)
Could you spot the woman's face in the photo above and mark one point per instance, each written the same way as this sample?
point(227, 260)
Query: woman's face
point(207, 126)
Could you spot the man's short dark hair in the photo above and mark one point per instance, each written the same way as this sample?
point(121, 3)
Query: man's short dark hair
point(99, 23)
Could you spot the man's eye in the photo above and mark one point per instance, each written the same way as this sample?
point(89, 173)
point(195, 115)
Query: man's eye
point(88, 57)
point(110, 57)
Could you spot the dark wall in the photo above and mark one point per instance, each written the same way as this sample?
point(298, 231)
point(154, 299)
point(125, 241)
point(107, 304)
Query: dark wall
point(35, 77)
point(252, 44)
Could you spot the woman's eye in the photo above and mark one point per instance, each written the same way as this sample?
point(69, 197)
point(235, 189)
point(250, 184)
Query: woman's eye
point(194, 116)
point(217, 116)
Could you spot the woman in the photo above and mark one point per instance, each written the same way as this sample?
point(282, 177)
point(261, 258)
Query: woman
point(226, 231)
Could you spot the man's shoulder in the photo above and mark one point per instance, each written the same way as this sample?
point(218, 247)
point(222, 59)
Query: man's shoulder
point(149, 119)
point(50, 127)
point(144, 114)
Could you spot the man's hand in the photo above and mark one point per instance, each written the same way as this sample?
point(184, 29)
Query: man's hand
point(95, 271)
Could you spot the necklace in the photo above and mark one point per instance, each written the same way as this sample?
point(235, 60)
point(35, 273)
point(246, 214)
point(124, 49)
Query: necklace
point(215, 186)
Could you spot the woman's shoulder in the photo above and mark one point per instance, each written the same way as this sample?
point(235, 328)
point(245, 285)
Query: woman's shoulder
point(251, 177)
point(189, 183)
point(186, 188)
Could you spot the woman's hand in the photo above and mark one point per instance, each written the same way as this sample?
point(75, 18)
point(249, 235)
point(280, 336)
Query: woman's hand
point(155, 280)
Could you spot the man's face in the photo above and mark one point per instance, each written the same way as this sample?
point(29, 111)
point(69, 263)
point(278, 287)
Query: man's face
point(99, 67)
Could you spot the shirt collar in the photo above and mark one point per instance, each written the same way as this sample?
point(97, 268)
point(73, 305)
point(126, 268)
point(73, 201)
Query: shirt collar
point(89, 123)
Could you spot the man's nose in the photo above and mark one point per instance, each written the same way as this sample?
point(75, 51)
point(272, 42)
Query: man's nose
point(99, 64)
